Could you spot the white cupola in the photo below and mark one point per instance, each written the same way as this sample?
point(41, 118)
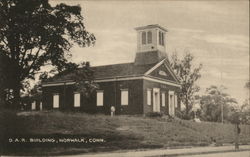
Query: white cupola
point(151, 44)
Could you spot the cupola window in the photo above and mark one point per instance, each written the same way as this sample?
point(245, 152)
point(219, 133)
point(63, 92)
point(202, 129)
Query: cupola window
point(149, 37)
point(161, 38)
point(143, 38)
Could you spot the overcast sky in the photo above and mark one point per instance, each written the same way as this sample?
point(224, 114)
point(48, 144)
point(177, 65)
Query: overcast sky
point(215, 32)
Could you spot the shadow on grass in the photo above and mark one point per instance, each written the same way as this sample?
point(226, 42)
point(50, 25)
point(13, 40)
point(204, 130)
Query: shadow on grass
point(19, 136)
point(62, 144)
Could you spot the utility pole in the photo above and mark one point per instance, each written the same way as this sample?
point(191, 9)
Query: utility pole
point(220, 93)
point(222, 113)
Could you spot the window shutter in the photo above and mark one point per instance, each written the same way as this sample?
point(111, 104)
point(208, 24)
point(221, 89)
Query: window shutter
point(56, 101)
point(124, 97)
point(149, 97)
point(77, 98)
point(99, 98)
point(163, 99)
point(175, 101)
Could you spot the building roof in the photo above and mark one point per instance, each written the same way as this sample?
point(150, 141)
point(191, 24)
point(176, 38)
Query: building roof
point(120, 70)
point(151, 26)
point(109, 71)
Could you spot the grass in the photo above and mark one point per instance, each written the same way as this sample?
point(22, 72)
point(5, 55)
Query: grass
point(119, 132)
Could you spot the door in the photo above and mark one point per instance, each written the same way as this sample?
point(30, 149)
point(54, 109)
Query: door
point(171, 104)
point(156, 100)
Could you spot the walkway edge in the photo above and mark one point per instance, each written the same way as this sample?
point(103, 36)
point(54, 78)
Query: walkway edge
point(199, 153)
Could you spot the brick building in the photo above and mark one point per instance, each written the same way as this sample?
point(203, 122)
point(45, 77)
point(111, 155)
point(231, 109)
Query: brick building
point(146, 85)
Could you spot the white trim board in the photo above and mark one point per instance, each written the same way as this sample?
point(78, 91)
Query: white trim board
point(57, 84)
point(158, 65)
point(119, 79)
point(138, 78)
point(160, 81)
point(155, 67)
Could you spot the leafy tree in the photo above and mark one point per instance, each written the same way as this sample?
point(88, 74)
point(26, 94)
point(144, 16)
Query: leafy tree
point(81, 73)
point(214, 102)
point(34, 34)
point(245, 108)
point(247, 85)
point(84, 80)
point(188, 75)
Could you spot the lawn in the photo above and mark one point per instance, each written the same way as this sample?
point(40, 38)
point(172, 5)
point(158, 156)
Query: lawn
point(105, 133)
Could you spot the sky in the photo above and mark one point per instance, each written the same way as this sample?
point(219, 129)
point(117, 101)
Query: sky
point(215, 32)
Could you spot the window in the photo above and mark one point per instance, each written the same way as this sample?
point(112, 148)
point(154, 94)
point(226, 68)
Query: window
point(149, 37)
point(56, 101)
point(77, 97)
point(163, 99)
point(124, 97)
point(143, 36)
point(160, 38)
point(149, 96)
point(99, 98)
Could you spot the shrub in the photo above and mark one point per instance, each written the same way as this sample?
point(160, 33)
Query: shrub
point(154, 114)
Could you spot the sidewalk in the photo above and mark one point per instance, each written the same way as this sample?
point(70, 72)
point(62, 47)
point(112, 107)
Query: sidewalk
point(168, 152)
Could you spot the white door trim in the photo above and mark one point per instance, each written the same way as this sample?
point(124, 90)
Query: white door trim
point(171, 104)
point(156, 100)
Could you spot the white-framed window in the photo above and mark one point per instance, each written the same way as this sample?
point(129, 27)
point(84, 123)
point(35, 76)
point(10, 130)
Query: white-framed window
point(124, 96)
point(56, 100)
point(161, 38)
point(143, 38)
point(175, 101)
point(99, 98)
point(149, 94)
point(163, 99)
point(77, 99)
point(149, 37)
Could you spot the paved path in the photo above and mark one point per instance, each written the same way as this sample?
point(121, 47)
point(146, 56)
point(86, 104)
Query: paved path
point(167, 152)
point(225, 154)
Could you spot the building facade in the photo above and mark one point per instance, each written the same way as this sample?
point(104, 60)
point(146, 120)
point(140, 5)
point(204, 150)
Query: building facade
point(146, 85)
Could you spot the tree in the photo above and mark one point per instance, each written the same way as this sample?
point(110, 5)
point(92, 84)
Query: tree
point(245, 108)
point(34, 34)
point(188, 75)
point(216, 103)
point(247, 85)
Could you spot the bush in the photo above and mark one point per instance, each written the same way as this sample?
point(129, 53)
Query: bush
point(154, 114)
point(183, 115)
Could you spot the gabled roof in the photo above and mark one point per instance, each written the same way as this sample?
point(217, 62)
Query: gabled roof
point(151, 26)
point(109, 71)
point(169, 70)
point(125, 70)
point(120, 70)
